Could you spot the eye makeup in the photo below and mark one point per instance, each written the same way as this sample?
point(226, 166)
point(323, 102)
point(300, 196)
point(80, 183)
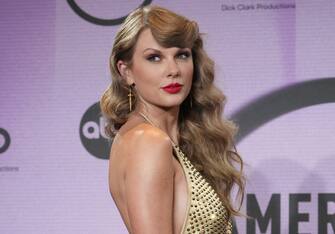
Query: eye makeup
point(157, 54)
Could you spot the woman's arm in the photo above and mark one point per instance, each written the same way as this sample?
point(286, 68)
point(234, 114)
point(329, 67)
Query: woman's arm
point(149, 183)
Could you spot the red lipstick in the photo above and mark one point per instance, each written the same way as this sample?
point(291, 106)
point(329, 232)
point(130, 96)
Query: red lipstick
point(172, 88)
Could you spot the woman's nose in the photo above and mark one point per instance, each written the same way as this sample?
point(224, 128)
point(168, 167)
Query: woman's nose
point(173, 68)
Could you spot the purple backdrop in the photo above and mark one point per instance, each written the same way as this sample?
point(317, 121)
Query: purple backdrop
point(54, 67)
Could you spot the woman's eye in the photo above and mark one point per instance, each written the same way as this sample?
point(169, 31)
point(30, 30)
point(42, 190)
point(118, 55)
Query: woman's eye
point(184, 55)
point(153, 58)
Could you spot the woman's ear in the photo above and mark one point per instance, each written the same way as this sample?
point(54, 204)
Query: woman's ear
point(125, 72)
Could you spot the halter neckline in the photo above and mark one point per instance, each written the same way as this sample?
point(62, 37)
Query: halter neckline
point(147, 118)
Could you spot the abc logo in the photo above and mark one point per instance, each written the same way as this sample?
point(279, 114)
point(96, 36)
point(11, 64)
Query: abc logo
point(4, 140)
point(92, 134)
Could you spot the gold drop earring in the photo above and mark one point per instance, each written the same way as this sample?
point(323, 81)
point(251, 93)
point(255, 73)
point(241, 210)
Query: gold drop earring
point(129, 99)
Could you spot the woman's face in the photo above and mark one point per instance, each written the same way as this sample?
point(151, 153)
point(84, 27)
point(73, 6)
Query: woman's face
point(155, 67)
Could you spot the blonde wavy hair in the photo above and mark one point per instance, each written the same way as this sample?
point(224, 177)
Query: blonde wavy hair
point(200, 117)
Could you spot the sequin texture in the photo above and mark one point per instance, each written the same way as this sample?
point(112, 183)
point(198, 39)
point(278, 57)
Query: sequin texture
point(206, 212)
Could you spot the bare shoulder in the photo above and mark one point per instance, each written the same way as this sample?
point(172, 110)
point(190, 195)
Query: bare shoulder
point(147, 141)
point(147, 131)
point(142, 142)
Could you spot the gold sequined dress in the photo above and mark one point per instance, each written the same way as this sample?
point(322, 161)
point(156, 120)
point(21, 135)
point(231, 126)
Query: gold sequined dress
point(206, 214)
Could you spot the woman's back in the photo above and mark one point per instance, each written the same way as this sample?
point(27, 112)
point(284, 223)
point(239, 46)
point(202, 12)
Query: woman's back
point(147, 183)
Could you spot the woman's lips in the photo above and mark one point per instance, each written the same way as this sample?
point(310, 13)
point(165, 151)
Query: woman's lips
point(172, 88)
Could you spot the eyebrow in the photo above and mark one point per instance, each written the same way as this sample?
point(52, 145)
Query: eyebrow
point(158, 51)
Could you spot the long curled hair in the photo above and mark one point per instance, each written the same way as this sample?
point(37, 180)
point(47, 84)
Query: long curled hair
point(200, 118)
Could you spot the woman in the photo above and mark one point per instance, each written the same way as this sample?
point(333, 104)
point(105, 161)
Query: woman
point(171, 162)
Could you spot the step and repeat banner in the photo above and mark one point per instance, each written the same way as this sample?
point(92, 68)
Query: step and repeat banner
point(275, 61)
